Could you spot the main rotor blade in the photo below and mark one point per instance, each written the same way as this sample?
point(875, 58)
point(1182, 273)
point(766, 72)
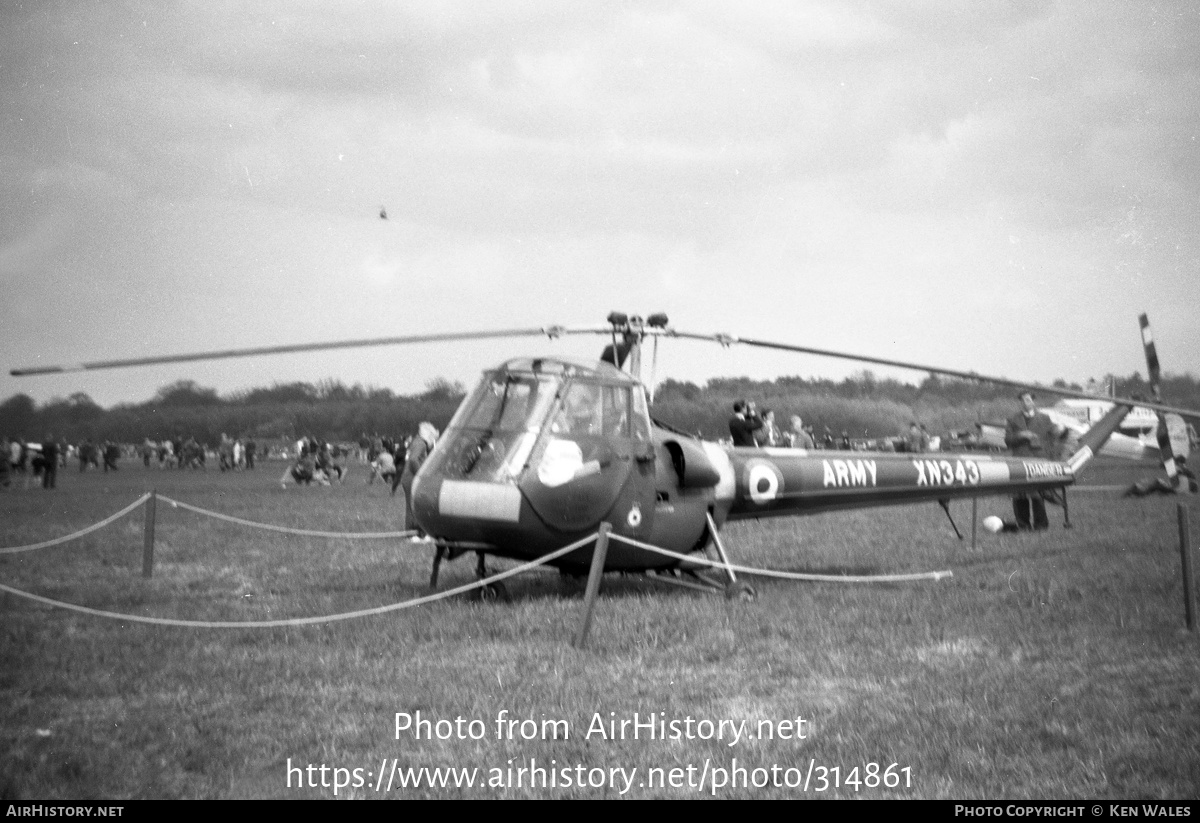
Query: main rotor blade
point(548, 331)
point(728, 339)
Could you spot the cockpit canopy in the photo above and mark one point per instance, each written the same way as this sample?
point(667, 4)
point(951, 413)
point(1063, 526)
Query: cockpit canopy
point(527, 405)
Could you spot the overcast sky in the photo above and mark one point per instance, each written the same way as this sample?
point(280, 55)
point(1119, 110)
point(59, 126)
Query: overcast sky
point(990, 186)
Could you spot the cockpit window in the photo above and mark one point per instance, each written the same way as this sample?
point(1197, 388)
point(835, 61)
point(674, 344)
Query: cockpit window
point(640, 418)
point(495, 429)
point(603, 410)
point(615, 401)
point(580, 413)
point(494, 436)
point(594, 409)
point(509, 402)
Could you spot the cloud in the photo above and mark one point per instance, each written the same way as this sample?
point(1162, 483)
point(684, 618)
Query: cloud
point(851, 159)
point(26, 253)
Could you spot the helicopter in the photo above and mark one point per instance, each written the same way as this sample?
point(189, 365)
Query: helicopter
point(545, 449)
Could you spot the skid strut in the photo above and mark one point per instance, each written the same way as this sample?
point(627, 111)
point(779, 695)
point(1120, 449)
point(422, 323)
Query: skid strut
point(440, 553)
point(733, 589)
point(945, 504)
point(720, 547)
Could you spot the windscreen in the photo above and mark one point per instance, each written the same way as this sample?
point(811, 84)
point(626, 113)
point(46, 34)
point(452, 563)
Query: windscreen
point(493, 432)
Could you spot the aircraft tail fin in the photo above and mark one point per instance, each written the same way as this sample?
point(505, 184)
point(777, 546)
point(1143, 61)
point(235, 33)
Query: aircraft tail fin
point(1172, 434)
point(1091, 441)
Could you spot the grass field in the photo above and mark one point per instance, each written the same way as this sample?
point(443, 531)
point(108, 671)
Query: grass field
point(1049, 666)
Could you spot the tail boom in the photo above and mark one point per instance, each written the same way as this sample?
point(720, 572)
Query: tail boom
point(785, 482)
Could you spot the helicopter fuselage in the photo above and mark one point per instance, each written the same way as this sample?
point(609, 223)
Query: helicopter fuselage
point(545, 450)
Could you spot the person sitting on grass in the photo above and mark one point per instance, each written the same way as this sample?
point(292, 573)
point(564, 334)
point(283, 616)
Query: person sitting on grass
point(383, 466)
point(304, 471)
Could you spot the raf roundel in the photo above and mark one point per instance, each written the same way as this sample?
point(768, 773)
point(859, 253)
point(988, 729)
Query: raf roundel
point(764, 481)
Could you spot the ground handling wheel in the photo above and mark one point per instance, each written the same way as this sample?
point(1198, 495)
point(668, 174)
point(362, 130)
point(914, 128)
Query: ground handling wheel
point(743, 592)
point(491, 593)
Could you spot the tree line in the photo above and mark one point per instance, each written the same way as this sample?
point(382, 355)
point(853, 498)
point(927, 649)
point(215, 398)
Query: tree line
point(328, 410)
point(862, 405)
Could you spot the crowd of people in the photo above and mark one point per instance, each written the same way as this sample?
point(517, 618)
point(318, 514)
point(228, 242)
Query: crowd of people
point(42, 460)
point(758, 429)
point(317, 462)
point(39, 462)
point(91, 454)
point(393, 460)
point(190, 453)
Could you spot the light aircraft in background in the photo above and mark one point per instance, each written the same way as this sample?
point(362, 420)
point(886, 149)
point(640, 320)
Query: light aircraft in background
point(1122, 446)
point(1145, 433)
point(1138, 423)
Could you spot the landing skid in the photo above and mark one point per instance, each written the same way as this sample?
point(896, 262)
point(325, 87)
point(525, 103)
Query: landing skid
point(733, 589)
point(686, 580)
point(700, 583)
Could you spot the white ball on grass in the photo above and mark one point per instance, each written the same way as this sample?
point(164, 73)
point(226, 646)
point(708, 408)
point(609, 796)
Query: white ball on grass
point(993, 524)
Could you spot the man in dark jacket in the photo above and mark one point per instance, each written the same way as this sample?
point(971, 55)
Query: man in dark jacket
point(744, 423)
point(1031, 433)
point(49, 462)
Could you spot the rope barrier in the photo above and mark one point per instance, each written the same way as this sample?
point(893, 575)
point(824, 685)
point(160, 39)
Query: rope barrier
point(419, 601)
point(305, 621)
point(818, 578)
point(287, 529)
point(47, 543)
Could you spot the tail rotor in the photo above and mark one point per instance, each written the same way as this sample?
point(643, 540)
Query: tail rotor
point(1173, 442)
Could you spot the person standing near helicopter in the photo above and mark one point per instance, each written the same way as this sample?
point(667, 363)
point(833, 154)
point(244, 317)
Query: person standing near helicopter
point(744, 423)
point(1031, 433)
point(801, 436)
point(769, 434)
point(50, 453)
point(414, 457)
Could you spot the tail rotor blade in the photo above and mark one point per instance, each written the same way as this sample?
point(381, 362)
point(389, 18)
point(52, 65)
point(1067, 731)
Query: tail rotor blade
point(1152, 367)
point(1172, 434)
